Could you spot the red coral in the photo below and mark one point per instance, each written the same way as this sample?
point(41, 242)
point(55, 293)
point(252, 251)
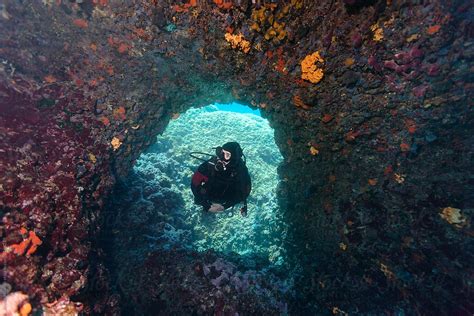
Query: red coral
point(80, 23)
point(224, 4)
point(185, 7)
point(33, 240)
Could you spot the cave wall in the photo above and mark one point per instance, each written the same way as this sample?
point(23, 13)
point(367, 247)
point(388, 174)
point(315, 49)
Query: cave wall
point(374, 152)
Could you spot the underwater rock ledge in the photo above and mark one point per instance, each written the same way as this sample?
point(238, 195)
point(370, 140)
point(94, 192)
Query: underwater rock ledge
point(375, 129)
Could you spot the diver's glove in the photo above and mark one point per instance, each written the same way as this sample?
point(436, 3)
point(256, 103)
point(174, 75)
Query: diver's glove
point(215, 207)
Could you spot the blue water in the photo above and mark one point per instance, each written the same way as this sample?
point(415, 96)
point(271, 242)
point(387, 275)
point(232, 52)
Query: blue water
point(236, 107)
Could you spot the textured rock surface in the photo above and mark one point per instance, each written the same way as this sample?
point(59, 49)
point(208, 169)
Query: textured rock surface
point(374, 152)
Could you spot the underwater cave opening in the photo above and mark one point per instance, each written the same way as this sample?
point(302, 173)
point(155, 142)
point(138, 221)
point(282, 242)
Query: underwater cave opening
point(153, 210)
point(166, 168)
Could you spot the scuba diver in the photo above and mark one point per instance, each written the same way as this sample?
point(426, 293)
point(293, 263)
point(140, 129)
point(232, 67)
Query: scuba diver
point(223, 180)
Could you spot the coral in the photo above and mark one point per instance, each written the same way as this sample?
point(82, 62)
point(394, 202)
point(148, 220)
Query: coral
point(298, 4)
point(327, 118)
point(92, 158)
point(80, 23)
point(224, 4)
point(269, 22)
point(378, 32)
point(119, 113)
point(185, 7)
point(105, 121)
point(258, 16)
point(35, 242)
point(63, 306)
point(116, 143)
point(238, 42)
point(309, 68)
point(276, 31)
point(298, 102)
point(15, 303)
point(433, 29)
point(349, 62)
point(453, 216)
point(29, 244)
point(19, 249)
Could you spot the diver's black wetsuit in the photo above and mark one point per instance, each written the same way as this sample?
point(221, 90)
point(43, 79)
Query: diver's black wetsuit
point(227, 187)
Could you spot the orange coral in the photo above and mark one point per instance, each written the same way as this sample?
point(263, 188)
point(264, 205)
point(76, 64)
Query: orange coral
point(298, 102)
point(269, 15)
point(410, 125)
point(50, 79)
point(15, 303)
point(404, 147)
point(238, 41)
point(19, 249)
point(378, 32)
point(80, 23)
point(276, 31)
point(29, 244)
point(399, 178)
point(327, 118)
point(185, 7)
point(119, 113)
point(453, 216)
point(433, 29)
point(309, 70)
point(105, 120)
point(26, 309)
point(100, 2)
point(116, 143)
point(224, 4)
point(35, 242)
point(313, 150)
point(349, 62)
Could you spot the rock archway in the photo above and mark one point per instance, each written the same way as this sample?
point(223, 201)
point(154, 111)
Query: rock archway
point(370, 102)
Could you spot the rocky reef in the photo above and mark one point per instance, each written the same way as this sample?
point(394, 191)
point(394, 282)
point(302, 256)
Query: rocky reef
point(371, 104)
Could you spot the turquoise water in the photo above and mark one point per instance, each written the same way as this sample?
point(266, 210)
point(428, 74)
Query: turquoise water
point(237, 108)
